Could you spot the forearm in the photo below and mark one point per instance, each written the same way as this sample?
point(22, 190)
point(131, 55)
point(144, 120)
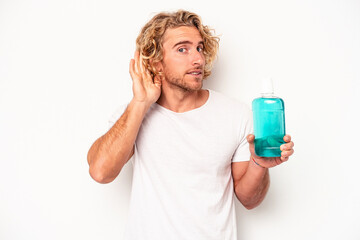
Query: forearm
point(251, 189)
point(111, 151)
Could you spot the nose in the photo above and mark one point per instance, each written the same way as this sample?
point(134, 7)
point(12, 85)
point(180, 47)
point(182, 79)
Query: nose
point(197, 58)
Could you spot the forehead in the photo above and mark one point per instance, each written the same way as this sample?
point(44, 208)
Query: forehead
point(183, 33)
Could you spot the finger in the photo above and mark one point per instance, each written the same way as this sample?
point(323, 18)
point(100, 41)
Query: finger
point(141, 63)
point(284, 159)
point(287, 146)
point(136, 58)
point(132, 69)
point(287, 153)
point(250, 138)
point(144, 71)
point(287, 138)
point(157, 81)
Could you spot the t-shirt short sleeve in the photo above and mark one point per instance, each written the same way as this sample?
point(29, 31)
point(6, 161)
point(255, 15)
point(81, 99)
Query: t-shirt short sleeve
point(242, 152)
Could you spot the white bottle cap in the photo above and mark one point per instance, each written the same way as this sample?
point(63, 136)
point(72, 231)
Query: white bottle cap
point(267, 86)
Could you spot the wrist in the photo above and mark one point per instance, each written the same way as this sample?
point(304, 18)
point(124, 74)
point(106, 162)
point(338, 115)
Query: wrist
point(139, 107)
point(254, 162)
point(140, 104)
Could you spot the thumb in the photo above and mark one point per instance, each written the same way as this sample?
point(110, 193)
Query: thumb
point(250, 138)
point(157, 81)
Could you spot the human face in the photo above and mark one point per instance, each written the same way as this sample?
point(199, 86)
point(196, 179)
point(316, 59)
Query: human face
point(183, 58)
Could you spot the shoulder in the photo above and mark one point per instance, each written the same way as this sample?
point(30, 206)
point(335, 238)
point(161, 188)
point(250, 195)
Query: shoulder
point(235, 113)
point(227, 103)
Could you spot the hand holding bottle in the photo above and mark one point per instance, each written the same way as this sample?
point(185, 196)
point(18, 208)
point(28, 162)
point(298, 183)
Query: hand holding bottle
point(268, 162)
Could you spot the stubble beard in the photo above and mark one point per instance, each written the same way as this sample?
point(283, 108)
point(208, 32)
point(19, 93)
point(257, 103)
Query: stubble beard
point(178, 82)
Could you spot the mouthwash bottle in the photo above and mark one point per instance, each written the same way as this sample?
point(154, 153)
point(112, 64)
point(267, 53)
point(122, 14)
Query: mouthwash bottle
point(269, 121)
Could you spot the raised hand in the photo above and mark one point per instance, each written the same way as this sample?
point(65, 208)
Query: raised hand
point(145, 89)
point(268, 162)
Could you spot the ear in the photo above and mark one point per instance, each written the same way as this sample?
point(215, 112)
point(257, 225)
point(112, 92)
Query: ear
point(158, 66)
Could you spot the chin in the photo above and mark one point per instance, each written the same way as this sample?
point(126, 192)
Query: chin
point(186, 84)
point(196, 86)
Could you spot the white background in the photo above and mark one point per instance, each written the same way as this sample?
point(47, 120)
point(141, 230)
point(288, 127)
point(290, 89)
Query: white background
point(64, 70)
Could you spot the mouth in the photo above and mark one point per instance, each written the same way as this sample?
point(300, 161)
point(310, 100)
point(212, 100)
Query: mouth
point(195, 72)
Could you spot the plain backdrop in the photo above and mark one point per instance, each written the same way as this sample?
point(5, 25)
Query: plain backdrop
point(64, 71)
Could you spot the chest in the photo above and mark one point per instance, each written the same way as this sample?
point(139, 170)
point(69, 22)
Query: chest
point(188, 143)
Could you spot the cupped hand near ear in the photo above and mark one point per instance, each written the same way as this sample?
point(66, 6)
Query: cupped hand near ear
point(145, 88)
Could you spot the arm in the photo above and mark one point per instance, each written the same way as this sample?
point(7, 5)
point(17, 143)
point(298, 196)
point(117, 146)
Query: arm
point(252, 180)
point(110, 152)
point(251, 183)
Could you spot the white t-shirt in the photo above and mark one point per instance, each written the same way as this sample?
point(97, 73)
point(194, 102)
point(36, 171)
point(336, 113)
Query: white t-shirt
point(182, 185)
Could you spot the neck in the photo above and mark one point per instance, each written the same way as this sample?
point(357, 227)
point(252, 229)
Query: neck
point(181, 100)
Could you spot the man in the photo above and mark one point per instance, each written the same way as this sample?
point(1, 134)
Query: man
point(190, 146)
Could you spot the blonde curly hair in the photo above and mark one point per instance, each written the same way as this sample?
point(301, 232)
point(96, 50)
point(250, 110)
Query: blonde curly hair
point(149, 41)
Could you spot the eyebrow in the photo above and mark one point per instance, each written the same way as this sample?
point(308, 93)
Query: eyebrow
point(187, 42)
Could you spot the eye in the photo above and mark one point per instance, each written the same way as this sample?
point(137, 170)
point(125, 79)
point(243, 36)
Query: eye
point(200, 48)
point(182, 50)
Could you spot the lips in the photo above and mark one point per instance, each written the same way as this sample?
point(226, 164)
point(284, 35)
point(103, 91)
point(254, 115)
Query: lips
point(195, 72)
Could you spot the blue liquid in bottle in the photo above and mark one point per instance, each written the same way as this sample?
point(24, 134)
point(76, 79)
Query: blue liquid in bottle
point(269, 122)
